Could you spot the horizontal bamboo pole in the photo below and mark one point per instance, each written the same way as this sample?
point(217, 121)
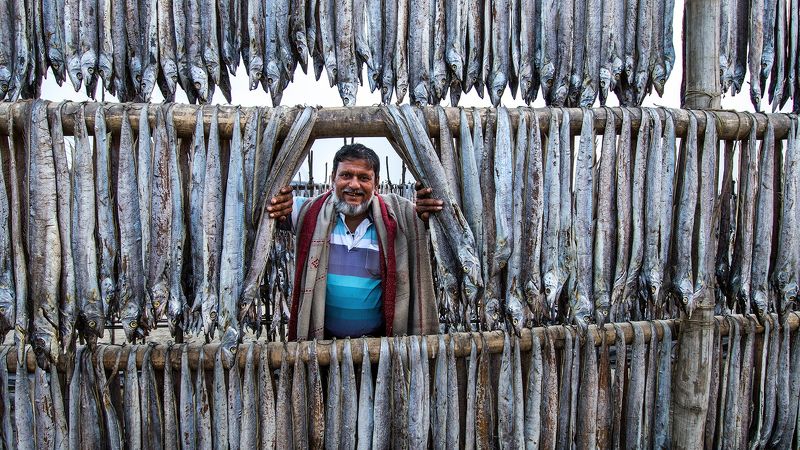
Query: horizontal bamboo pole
point(461, 344)
point(367, 121)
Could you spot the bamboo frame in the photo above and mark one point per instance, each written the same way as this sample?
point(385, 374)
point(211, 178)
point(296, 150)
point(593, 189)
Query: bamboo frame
point(367, 121)
point(462, 345)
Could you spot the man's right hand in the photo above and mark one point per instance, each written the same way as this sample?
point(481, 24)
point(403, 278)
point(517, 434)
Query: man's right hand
point(280, 206)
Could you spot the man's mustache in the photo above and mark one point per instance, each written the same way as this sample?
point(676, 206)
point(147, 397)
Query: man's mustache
point(353, 191)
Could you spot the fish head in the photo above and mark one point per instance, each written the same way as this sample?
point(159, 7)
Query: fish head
point(687, 297)
point(601, 310)
point(760, 302)
point(455, 93)
point(74, 72)
point(374, 79)
point(552, 291)
point(588, 95)
point(208, 312)
point(755, 96)
point(200, 81)
point(547, 74)
point(105, 69)
point(7, 309)
point(517, 312)
point(491, 314)
point(560, 93)
point(496, 87)
point(347, 91)
point(455, 63)
point(148, 82)
point(170, 75)
point(159, 298)
point(606, 83)
point(272, 75)
point(788, 296)
point(229, 345)
point(255, 72)
point(419, 95)
point(660, 79)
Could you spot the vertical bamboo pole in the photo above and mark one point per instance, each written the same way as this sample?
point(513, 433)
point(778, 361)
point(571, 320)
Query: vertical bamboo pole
point(692, 376)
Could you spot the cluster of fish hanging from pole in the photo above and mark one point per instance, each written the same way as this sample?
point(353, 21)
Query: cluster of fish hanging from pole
point(551, 389)
point(537, 227)
point(426, 49)
point(762, 37)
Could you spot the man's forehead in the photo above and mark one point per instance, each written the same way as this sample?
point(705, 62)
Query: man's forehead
point(354, 164)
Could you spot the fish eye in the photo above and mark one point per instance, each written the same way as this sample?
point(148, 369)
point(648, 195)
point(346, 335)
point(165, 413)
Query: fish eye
point(516, 321)
point(2, 309)
point(547, 291)
point(213, 315)
point(653, 289)
point(92, 323)
point(197, 85)
point(233, 349)
point(685, 300)
point(133, 324)
point(156, 303)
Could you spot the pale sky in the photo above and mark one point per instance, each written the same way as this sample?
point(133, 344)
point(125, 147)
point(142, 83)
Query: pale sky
point(305, 90)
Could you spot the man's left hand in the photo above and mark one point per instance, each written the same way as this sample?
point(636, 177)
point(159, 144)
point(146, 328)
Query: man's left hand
point(426, 204)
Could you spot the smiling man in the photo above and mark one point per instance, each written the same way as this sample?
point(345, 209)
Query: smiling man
point(362, 261)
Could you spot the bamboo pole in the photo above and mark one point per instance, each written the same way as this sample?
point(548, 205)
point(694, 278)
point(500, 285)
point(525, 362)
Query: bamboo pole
point(461, 341)
point(692, 375)
point(367, 121)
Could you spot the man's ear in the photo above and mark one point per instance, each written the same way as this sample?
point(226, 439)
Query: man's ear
point(333, 177)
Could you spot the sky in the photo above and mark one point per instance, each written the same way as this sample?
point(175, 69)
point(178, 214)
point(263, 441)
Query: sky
point(306, 91)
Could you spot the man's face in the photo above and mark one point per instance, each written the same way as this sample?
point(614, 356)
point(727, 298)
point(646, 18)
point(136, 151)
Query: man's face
point(354, 183)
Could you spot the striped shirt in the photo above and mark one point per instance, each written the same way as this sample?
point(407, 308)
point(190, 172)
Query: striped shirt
point(353, 305)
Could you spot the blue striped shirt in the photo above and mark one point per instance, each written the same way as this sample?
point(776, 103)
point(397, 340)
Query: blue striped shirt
point(353, 305)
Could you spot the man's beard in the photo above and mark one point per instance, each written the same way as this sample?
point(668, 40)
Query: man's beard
point(351, 210)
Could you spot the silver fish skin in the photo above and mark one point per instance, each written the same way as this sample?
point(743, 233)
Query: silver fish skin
point(416, 396)
point(248, 438)
point(651, 277)
point(231, 269)
point(186, 412)
point(327, 39)
point(7, 48)
point(177, 302)
point(637, 208)
point(316, 404)
point(441, 76)
point(794, 381)
point(152, 430)
point(549, 64)
point(235, 402)
point(198, 75)
point(743, 251)
point(219, 395)
point(567, 250)
point(266, 406)
point(472, 368)
point(73, 432)
point(346, 75)
point(473, 46)
point(667, 193)
point(528, 47)
point(662, 432)
point(59, 412)
point(114, 431)
point(634, 405)
point(519, 398)
point(130, 284)
point(784, 279)
point(263, 161)
point(23, 407)
point(421, 47)
point(382, 405)
point(387, 74)
point(563, 403)
point(299, 402)
point(770, 40)
point(579, 21)
point(148, 18)
point(583, 224)
point(7, 292)
point(207, 298)
point(553, 275)
point(297, 32)
point(763, 226)
point(706, 249)
point(587, 397)
point(682, 279)
point(400, 57)
point(549, 409)
point(52, 21)
point(196, 188)
point(470, 185)
point(591, 67)
point(20, 266)
point(132, 415)
point(43, 403)
point(534, 397)
point(91, 313)
point(72, 47)
point(120, 78)
point(91, 422)
point(440, 398)
point(623, 206)
point(778, 70)
point(144, 171)
point(604, 398)
point(560, 90)
point(374, 39)
point(453, 413)
point(255, 43)
point(349, 398)
point(284, 435)
point(171, 436)
point(157, 282)
point(333, 411)
point(399, 403)
point(746, 383)
point(516, 310)
point(650, 388)
point(716, 361)
point(250, 146)
point(106, 231)
point(503, 178)
point(606, 224)
point(167, 51)
point(608, 48)
point(617, 432)
point(366, 421)
point(210, 50)
point(105, 43)
point(201, 405)
point(758, 26)
point(727, 429)
point(44, 242)
point(501, 54)
point(533, 215)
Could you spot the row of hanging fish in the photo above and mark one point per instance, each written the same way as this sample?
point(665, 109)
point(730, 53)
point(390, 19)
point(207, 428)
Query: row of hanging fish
point(557, 232)
point(573, 395)
point(761, 37)
point(135, 230)
point(425, 49)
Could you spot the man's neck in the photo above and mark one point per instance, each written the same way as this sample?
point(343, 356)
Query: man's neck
point(352, 222)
